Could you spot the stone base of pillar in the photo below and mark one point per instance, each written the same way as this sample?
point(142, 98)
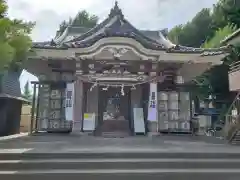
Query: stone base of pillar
point(152, 128)
point(76, 129)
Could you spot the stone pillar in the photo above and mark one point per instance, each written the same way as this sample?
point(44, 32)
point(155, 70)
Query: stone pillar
point(92, 102)
point(78, 106)
point(153, 125)
point(136, 102)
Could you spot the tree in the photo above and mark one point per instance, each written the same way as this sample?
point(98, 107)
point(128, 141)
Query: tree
point(207, 29)
point(193, 34)
point(231, 11)
point(83, 19)
point(27, 94)
point(14, 40)
point(219, 35)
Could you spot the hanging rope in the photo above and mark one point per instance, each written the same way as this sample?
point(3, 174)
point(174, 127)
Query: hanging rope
point(119, 84)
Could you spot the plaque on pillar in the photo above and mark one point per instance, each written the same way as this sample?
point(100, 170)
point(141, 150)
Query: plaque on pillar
point(152, 105)
point(139, 126)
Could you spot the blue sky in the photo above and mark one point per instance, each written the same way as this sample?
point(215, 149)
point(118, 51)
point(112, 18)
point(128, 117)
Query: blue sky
point(144, 14)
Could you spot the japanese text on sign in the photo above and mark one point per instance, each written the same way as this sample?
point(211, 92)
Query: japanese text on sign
point(69, 99)
point(153, 100)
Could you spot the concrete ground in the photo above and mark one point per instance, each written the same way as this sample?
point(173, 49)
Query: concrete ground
point(65, 143)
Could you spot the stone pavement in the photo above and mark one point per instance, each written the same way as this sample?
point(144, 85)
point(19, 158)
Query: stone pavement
point(64, 156)
point(64, 143)
point(13, 136)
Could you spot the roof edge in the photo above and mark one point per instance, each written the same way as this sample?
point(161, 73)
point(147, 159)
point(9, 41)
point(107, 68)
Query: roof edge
point(231, 36)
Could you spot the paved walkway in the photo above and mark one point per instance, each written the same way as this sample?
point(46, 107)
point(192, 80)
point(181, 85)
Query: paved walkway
point(74, 143)
point(13, 136)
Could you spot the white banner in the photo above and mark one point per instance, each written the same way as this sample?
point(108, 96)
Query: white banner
point(139, 126)
point(152, 103)
point(89, 121)
point(69, 102)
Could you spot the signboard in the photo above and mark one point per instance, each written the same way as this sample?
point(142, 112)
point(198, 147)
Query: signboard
point(139, 126)
point(152, 105)
point(69, 102)
point(88, 121)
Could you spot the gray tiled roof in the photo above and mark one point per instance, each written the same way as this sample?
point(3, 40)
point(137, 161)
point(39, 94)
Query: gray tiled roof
point(117, 26)
point(10, 84)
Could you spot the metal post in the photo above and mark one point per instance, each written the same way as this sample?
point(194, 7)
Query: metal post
point(33, 108)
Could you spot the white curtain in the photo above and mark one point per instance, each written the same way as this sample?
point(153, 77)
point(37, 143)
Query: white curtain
point(69, 102)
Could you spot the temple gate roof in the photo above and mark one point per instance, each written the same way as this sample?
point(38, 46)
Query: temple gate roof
point(116, 25)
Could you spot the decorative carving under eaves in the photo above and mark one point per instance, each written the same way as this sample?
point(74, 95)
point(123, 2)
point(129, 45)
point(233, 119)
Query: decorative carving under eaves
point(79, 72)
point(106, 72)
point(92, 72)
point(117, 52)
point(126, 72)
point(91, 66)
point(102, 62)
point(78, 65)
point(95, 77)
point(142, 66)
point(154, 66)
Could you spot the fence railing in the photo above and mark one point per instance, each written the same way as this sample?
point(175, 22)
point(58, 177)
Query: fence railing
point(232, 115)
point(234, 67)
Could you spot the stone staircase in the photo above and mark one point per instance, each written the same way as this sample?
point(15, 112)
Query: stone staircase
point(232, 122)
point(115, 134)
point(236, 138)
point(130, 165)
point(113, 129)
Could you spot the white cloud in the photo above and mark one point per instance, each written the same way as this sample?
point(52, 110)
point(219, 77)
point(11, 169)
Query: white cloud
point(144, 14)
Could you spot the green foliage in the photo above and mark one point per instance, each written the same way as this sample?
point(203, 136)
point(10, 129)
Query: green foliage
point(219, 35)
point(3, 8)
point(27, 94)
point(193, 34)
point(176, 33)
point(14, 40)
point(83, 19)
point(207, 29)
point(231, 11)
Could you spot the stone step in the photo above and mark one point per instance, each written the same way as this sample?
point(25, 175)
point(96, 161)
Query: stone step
point(236, 139)
point(120, 164)
point(128, 165)
point(113, 126)
point(116, 174)
point(115, 134)
point(121, 154)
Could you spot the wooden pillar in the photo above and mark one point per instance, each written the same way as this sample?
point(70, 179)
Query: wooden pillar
point(78, 106)
point(33, 108)
point(37, 110)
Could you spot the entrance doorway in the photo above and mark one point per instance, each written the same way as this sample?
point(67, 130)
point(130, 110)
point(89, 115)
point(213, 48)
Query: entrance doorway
point(114, 110)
